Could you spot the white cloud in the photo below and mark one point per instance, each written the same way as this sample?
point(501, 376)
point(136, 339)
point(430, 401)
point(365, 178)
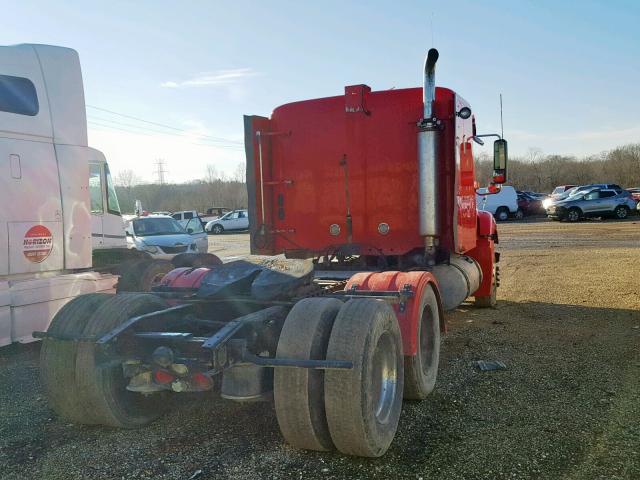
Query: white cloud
point(221, 78)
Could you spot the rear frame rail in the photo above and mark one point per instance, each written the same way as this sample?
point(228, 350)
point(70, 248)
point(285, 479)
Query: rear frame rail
point(109, 336)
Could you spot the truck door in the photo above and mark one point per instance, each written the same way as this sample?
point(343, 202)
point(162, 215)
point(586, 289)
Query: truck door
point(31, 229)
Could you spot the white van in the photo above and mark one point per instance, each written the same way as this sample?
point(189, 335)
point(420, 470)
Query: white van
point(501, 205)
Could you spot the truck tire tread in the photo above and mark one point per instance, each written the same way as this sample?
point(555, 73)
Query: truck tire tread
point(102, 385)
point(299, 392)
point(419, 381)
point(58, 358)
point(354, 428)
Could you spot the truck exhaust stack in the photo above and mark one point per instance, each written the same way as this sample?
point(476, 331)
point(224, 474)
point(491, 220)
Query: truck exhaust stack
point(427, 159)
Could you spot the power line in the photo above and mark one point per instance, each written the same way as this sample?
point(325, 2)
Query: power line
point(219, 139)
point(92, 122)
point(198, 137)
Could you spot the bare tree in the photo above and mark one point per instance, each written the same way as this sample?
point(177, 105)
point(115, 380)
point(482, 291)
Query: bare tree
point(211, 175)
point(126, 179)
point(239, 174)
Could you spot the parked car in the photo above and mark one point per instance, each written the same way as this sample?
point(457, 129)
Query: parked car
point(595, 202)
point(537, 195)
point(581, 188)
point(528, 205)
point(502, 204)
point(195, 228)
point(560, 189)
point(183, 216)
point(236, 220)
point(162, 237)
point(214, 213)
point(635, 193)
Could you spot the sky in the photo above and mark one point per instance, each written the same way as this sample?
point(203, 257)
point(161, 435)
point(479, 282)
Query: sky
point(569, 71)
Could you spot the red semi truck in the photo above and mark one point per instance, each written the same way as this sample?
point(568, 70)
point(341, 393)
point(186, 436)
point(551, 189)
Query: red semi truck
point(371, 197)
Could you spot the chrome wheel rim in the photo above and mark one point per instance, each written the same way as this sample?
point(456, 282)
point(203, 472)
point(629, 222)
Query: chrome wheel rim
point(622, 213)
point(384, 377)
point(573, 216)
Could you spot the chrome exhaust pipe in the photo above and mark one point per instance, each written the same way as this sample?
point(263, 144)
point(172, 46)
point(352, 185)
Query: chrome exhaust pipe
point(427, 159)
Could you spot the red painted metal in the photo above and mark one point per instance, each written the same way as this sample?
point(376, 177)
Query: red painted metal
point(487, 225)
point(184, 277)
point(484, 252)
point(396, 281)
point(485, 255)
point(368, 139)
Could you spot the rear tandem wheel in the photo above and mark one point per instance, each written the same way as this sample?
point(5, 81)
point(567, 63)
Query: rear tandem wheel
point(421, 369)
point(299, 392)
point(142, 275)
point(363, 404)
point(58, 357)
point(102, 383)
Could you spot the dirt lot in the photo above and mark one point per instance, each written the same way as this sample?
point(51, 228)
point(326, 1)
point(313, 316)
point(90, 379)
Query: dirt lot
point(567, 406)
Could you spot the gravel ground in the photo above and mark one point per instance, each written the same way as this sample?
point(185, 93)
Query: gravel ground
point(567, 406)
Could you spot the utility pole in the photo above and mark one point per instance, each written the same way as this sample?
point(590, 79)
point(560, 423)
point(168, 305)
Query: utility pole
point(160, 171)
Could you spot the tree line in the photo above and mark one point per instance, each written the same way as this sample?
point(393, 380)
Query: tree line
point(215, 190)
point(542, 173)
point(534, 172)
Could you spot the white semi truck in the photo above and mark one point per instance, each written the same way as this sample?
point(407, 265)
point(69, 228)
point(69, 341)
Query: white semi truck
point(61, 231)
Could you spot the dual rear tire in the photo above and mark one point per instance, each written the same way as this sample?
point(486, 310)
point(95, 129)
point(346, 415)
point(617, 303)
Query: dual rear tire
point(82, 385)
point(355, 411)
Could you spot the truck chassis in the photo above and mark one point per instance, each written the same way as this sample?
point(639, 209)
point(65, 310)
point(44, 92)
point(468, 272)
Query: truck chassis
point(253, 330)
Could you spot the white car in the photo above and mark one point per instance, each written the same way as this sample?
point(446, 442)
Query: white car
point(236, 220)
point(162, 237)
point(502, 204)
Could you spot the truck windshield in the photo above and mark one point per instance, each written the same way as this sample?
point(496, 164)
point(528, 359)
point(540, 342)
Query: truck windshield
point(143, 227)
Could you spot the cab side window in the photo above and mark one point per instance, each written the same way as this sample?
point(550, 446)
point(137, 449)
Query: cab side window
point(18, 95)
point(607, 194)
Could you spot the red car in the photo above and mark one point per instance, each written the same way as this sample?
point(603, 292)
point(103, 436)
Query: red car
point(528, 205)
point(635, 193)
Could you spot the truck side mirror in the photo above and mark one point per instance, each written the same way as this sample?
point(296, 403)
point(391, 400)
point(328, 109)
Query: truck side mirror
point(189, 230)
point(500, 161)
